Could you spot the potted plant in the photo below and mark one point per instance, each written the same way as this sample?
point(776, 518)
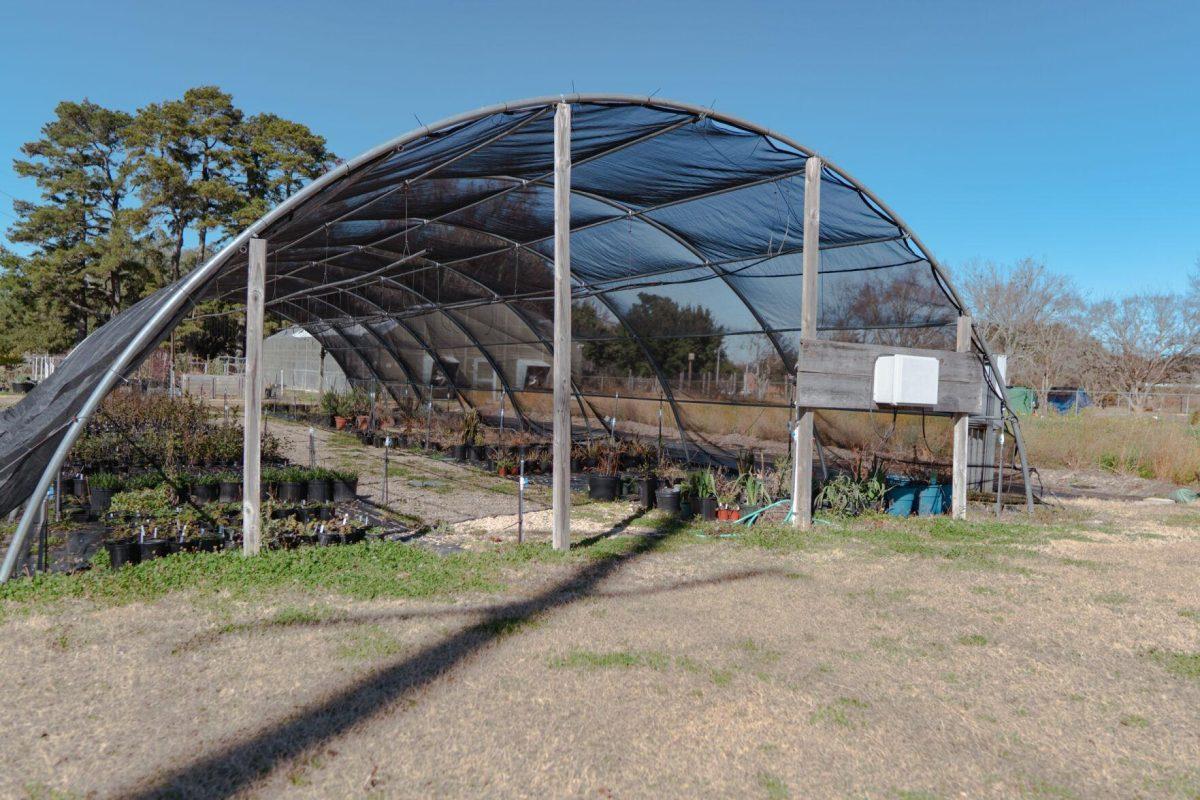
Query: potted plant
point(506, 465)
point(122, 548)
point(603, 483)
point(270, 477)
point(846, 494)
point(471, 437)
point(337, 407)
point(345, 486)
point(293, 484)
point(703, 485)
point(152, 546)
point(103, 486)
point(206, 487)
point(230, 487)
point(319, 485)
point(647, 482)
point(754, 495)
point(202, 542)
point(728, 491)
point(672, 496)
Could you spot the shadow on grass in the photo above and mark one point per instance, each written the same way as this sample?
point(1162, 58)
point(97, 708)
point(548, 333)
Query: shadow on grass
point(230, 769)
point(207, 638)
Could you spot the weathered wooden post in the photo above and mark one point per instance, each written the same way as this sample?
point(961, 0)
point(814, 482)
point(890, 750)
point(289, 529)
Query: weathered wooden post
point(802, 436)
point(561, 499)
point(962, 433)
point(251, 463)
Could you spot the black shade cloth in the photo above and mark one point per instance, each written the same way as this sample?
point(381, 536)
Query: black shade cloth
point(685, 227)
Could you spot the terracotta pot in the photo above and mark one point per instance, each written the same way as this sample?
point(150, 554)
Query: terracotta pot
point(728, 514)
point(340, 423)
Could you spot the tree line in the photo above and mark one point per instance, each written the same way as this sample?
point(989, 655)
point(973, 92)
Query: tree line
point(131, 201)
point(1056, 337)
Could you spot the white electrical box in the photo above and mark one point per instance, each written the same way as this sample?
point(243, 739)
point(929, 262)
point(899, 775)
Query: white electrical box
point(906, 381)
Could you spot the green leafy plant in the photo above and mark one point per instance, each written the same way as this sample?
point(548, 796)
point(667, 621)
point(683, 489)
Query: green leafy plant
point(754, 489)
point(846, 495)
point(106, 480)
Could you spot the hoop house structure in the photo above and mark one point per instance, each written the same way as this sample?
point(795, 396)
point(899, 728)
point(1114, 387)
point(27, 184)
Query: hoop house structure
point(425, 266)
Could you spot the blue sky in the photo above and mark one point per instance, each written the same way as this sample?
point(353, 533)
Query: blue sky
point(1063, 131)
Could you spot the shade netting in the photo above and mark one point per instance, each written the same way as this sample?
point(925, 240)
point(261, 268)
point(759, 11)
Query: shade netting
point(426, 268)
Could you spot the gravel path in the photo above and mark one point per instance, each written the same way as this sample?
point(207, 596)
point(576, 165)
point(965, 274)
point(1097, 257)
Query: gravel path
point(423, 489)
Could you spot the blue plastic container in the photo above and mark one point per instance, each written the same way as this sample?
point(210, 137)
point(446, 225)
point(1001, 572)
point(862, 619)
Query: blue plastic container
point(931, 501)
point(900, 497)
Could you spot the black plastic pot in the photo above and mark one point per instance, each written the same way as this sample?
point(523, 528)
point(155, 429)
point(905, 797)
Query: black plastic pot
point(687, 509)
point(354, 537)
point(78, 543)
point(646, 489)
point(122, 552)
point(708, 508)
point(205, 492)
point(324, 513)
point(23, 387)
point(345, 491)
point(153, 548)
point(320, 490)
point(230, 491)
point(478, 453)
point(668, 500)
point(460, 452)
point(204, 544)
point(603, 487)
point(329, 538)
point(292, 491)
point(79, 487)
point(100, 500)
point(746, 510)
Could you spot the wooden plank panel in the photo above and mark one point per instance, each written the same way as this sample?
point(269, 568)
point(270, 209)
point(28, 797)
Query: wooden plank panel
point(841, 375)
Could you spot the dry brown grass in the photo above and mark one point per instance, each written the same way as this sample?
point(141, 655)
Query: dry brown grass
point(1166, 448)
point(837, 666)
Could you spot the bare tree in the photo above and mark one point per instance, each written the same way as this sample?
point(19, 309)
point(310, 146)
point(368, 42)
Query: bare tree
point(1030, 313)
point(1147, 339)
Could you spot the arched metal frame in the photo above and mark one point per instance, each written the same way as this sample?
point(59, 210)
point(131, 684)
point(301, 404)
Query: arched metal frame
point(200, 279)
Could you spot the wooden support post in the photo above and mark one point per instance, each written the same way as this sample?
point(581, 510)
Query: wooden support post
point(962, 433)
point(562, 328)
point(802, 436)
point(251, 462)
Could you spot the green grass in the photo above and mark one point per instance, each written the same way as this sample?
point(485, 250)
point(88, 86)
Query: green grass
point(369, 643)
point(973, 640)
point(1134, 721)
point(1184, 665)
point(979, 545)
point(843, 713)
point(773, 786)
point(363, 571)
point(1190, 613)
point(1112, 598)
point(614, 659)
